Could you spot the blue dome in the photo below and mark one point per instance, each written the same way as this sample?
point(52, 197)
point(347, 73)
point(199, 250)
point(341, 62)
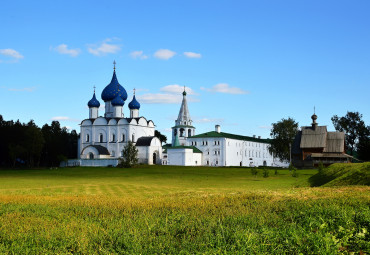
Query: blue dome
point(93, 102)
point(118, 101)
point(113, 89)
point(134, 104)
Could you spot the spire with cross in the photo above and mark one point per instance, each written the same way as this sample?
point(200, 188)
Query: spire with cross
point(114, 65)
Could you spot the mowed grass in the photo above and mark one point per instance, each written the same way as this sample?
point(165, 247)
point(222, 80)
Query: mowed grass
point(145, 181)
point(178, 210)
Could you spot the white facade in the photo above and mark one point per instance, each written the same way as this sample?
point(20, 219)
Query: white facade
point(105, 137)
point(182, 157)
point(217, 148)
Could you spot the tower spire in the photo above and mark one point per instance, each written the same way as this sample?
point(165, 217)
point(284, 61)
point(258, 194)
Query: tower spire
point(114, 65)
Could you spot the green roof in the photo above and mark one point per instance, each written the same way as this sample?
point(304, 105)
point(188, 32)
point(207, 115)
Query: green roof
point(181, 126)
point(215, 134)
point(195, 149)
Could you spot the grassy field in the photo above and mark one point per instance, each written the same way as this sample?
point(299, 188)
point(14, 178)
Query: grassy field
point(178, 210)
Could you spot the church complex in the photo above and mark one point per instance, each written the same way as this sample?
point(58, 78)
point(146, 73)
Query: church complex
point(103, 138)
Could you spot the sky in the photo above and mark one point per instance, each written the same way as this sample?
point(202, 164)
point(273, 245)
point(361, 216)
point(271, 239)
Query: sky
point(245, 64)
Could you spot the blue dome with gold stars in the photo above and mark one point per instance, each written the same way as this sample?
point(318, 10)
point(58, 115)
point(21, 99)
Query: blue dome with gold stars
point(93, 102)
point(134, 104)
point(118, 101)
point(113, 89)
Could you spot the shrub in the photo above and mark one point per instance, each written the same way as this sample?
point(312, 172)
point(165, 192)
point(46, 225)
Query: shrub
point(265, 173)
point(295, 173)
point(321, 167)
point(129, 158)
point(254, 171)
point(291, 167)
point(276, 171)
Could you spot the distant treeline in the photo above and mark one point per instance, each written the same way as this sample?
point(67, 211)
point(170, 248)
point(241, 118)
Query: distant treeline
point(25, 144)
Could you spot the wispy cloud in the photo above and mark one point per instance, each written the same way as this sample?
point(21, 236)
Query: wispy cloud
point(13, 54)
point(163, 98)
point(159, 98)
point(106, 47)
point(138, 55)
point(177, 89)
point(189, 54)
point(164, 54)
point(225, 88)
point(65, 118)
point(265, 127)
point(170, 94)
point(63, 49)
point(208, 120)
point(27, 89)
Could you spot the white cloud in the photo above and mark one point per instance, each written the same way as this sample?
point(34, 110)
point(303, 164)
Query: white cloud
point(225, 88)
point(104, 48)
point(207, 120)
point(164, 54)
point(189, 54)
point(63, 49)
point(27, 89)
point(177, 89)
point(11, 53)
point(64, 118)
point(138, 55)
point(162, 98)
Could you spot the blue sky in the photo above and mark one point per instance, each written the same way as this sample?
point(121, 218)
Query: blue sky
point(246, 64)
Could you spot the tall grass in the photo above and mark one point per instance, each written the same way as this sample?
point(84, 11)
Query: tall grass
point(308, 221)
point(155, 210)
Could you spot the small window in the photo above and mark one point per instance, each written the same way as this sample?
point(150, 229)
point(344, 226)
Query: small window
point(113, 138)
point(206, 142)
point(123, 137)
point(101, 137)
point(133, 138)
point(87, 138)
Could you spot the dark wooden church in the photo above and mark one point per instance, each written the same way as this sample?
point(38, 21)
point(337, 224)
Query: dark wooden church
point(314, 144)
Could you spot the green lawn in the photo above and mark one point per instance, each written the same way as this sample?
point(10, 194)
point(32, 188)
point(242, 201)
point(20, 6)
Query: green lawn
point(146, 181)
point(178, 210)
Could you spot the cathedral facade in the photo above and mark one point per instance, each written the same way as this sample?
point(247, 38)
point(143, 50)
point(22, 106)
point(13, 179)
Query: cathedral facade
point(102, 138)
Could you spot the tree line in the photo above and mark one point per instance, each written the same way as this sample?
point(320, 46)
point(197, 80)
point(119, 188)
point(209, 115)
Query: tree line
point(357, 135)
point(26, 144)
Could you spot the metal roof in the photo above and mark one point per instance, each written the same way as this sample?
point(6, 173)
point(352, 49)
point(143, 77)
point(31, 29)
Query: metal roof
point(144, 141)
point(215, 134)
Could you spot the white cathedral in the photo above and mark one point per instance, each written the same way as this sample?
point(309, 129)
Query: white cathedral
point(102, 138)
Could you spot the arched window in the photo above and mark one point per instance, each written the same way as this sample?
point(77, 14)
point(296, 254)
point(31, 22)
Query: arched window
point(182, 132)
point(91, 155)
point(189, 132)
point(123, 137)
point(87, 138)
point(113, 138)
point(101, 138)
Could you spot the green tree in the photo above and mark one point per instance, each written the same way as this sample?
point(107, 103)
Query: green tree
point(129, 153)
point(354, 128)
point(283, 133)
point(161, 137)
